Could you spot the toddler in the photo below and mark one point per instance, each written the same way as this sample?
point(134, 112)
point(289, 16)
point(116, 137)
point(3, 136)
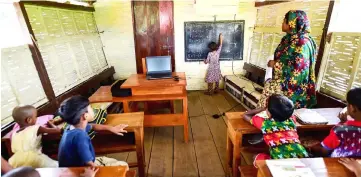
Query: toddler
point(214, 70)
point(26, 142)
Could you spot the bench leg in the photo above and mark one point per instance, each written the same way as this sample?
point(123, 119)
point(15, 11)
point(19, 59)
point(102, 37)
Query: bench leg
point(185, 119)
point(126, 106)
point(139, 142)
point(229, 155)
point(236, 156)
point(171, 106)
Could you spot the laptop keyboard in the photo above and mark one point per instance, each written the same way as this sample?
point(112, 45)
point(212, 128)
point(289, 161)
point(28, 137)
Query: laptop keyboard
point(160, 75)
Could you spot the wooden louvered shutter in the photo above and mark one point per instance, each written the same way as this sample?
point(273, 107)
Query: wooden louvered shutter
point(342, 64)
point(69, 43)
point(267, 34)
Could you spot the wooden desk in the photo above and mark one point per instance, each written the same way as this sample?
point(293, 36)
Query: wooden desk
point(151, 90)
point(237, 127)
point(321, 167)
point(116, 171)
point(105, 142)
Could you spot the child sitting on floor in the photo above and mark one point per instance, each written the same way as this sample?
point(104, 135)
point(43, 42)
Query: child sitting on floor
point(344, 139)
point(75, 147)
point(279, 130)
point(26, 142)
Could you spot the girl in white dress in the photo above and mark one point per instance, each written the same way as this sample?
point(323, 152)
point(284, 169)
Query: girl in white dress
point(26, 142)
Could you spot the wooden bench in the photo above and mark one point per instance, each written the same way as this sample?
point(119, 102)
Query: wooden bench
point(114, 171)
point(243, 88)
point(105, 142)
point(247, 171)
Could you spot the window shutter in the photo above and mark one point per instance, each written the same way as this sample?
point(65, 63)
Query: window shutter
point(20, 83)
point(267, 34)
point(342, 64)
point(69, 44)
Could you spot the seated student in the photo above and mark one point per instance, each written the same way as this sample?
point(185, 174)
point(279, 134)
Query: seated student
point(344, 139)
point(75, 147)
point(31, 172)
point(353, 165)
point(279, 130)
point(22, 172)
point(26, 142)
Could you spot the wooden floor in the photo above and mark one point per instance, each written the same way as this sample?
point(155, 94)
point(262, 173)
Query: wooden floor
point(167, 155)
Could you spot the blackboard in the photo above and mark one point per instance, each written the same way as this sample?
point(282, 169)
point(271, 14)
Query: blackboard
point(199, 34)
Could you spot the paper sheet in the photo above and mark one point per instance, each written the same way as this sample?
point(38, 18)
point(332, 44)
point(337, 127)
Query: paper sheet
point(289, 168)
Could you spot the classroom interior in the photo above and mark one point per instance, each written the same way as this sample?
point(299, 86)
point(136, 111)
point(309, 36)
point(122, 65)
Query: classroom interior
point(53, 50)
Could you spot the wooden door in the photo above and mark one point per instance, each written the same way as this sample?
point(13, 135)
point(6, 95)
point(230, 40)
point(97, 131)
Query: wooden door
point(153, 30)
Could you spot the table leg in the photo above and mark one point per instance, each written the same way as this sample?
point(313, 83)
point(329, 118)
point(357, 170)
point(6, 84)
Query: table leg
point(139, 142)
point(236, 156)
point(185, 119)
point(229, 155)
point(172, 106)
point(126, 106)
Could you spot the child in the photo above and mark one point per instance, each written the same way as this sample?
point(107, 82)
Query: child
point(31, 172)
point(344, 139)
point(26, 142)
point(214, 71)
point(279, 130)
point(75, 147)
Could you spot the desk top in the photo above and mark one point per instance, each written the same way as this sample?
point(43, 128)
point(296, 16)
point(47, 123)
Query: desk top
point(103, 94)
point(76, 171)
point(321, 167)
point(140, 80)
point(133, 120)
point(237, 123)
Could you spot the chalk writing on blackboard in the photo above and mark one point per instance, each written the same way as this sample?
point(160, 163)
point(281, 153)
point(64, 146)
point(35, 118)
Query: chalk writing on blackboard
point(199, 34)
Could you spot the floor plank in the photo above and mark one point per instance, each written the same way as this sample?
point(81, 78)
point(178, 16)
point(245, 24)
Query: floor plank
point(233, 102)
point(217, 126)
point(148, 143)
point(208, 160)
point(194, 105)
point(161, 159)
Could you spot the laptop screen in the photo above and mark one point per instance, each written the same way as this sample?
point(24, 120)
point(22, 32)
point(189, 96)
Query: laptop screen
point(158, 64)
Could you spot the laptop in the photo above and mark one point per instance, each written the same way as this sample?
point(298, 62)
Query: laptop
point(158, 67)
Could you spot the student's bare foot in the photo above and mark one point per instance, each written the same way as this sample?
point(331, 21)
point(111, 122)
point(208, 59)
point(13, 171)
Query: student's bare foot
point(216, 91)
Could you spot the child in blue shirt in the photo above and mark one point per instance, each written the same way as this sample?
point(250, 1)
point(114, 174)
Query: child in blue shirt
point(75, 147)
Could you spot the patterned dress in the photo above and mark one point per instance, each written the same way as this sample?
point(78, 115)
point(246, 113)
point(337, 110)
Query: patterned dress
point(344, 140)
point(294, 70)
point(281, 137)
point(214, 70)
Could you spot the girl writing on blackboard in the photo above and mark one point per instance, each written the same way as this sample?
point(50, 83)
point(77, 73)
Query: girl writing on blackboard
point(213, 75)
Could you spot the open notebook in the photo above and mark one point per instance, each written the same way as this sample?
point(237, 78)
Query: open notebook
point(309, 117)
point(289, 168)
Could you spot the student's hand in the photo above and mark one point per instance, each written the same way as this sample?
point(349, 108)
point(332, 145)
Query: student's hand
point(271, 63)
point(205, 61)
point(90, 172)
point(51, 124)
point(343, 115)
point(119, 129)
point(352, 165)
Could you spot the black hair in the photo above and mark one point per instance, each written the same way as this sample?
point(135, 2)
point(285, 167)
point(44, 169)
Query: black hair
point(280, 107)
point(287, 16)
point(72, 108)
point(354, 98)
point(213, 46)
point(22, 172)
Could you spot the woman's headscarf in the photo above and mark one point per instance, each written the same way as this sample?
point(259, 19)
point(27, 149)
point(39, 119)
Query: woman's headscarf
point(295, 60)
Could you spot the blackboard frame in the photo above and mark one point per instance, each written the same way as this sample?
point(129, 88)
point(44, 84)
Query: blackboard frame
point(221, 21)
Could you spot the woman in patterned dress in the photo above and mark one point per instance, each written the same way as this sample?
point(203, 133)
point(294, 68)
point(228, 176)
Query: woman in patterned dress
point(214, 70)
point(294, 63)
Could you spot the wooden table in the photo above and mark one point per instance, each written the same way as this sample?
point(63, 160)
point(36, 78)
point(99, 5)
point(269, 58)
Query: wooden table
point(321, 167)
point(237, 127)
point(116, 171)
point(151, 90)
